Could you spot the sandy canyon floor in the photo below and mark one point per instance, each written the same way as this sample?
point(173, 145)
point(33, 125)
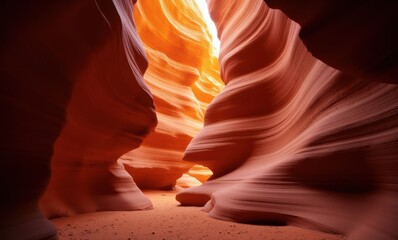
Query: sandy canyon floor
point(168, 220)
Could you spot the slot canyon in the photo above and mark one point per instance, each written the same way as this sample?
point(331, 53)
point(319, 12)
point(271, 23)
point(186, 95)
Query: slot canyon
point(199, 119)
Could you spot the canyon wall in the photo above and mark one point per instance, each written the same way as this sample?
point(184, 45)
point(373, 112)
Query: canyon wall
point(110, 112)
point(183, 76)
point(291, 140)
point(72, 92)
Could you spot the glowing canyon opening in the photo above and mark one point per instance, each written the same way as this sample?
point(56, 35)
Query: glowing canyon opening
point(156, 119)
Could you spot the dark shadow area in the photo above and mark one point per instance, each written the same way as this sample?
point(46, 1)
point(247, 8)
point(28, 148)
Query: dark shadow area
point(347, 171)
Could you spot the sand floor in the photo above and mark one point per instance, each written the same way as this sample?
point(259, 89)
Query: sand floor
point(170, 221)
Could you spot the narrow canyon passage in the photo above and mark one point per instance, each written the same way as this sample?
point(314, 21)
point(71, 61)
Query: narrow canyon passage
point(184, 76)
point(127, 119)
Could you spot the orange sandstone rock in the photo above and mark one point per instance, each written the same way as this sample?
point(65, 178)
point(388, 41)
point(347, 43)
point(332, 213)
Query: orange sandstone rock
point(183, 76)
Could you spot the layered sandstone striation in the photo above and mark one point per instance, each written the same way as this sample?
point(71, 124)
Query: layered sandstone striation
point(291, 140)
point(183, 76)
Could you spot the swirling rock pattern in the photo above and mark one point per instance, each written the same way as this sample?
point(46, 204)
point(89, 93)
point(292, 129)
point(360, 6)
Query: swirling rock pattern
point(183, 76)
point(291, 140)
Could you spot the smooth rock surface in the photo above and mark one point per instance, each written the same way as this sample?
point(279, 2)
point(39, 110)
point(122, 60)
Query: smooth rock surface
point(291, 140)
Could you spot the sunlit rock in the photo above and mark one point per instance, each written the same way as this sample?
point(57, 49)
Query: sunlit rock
point(183, 76)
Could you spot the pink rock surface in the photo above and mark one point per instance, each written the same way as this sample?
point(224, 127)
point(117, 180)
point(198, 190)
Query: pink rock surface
point(291, 140)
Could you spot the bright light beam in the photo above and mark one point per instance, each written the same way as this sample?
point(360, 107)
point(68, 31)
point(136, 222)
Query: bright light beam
point(210, 25)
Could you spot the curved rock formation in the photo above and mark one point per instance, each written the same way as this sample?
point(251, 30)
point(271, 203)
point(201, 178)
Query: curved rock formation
point(291, 140)
point(110, 112)
point(183, 77)
point(72, 76)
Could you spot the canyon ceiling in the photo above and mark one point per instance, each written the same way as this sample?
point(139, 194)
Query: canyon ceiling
point(297, 118)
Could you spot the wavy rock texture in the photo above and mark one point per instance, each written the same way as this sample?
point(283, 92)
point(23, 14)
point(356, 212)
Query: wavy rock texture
point(183, 76)
point(291, 140)
point(109, 112)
